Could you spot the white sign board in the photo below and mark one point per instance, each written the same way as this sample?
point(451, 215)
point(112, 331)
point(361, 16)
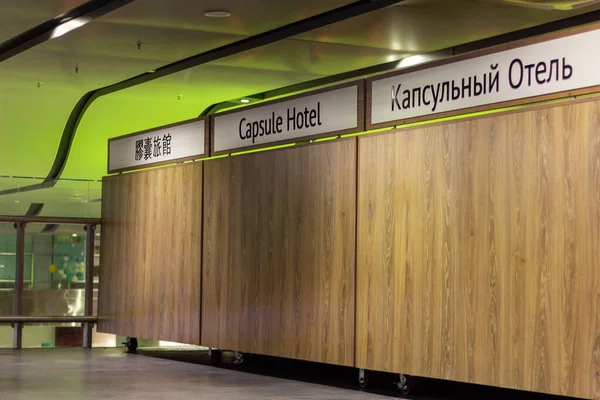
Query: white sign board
point(325, 112)
point(162, 145)
point(558, 65)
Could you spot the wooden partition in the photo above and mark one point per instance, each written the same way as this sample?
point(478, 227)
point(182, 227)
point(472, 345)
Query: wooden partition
point(279, 253)
point(479, 250)
point(151, 254)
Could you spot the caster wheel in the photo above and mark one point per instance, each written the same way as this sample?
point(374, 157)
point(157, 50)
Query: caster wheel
point(131, 344)
point(403, 384)
point(239, 358)
point(363, 378)
point(215, 357)
point(404, 389)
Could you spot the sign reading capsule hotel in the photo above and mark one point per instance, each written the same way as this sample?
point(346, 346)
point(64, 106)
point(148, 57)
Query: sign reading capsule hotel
point(158, 146)
point(558, 65)
point(332, 111)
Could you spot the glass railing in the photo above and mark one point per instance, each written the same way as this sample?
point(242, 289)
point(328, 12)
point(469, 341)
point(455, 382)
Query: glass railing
point(57, 281)
point(60, 198)
point(48, 282)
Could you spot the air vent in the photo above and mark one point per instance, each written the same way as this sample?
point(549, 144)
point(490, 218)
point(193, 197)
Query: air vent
point(550, 4)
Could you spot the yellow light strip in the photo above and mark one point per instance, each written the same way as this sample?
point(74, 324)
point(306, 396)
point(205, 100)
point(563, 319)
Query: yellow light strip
point(282, 146)
point(326, 139)
point(411, 125)
point(472, 115)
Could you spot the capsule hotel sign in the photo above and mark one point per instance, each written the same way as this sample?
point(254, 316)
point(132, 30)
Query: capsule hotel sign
point(164, 145)
point(330, 112)
point(558, 65)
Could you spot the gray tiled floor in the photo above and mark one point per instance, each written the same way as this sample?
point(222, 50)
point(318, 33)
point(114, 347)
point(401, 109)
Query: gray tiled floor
point(110, 374)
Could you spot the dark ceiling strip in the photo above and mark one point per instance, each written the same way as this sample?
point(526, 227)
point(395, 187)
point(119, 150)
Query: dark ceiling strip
point(306, 25)
point(307, 85)
point(50, 228)
point(578, 20)
point(316, 83)
point(90, 10)
point(34, 209)
point(554, 26)
point(297, 28)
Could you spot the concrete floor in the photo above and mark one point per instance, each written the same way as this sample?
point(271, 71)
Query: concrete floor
point(69, 374)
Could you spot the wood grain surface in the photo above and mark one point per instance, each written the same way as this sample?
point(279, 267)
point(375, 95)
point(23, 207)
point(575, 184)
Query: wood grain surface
point(151, 254)
point(478, 254)
point(279, 253)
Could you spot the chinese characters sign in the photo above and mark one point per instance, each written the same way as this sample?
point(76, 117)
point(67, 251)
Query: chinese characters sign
point(158, 146)
point(153, 147)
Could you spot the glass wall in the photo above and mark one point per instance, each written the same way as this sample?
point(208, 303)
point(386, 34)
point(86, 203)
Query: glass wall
point(65, 198)
point(8, 243)
point(54, 276)
point(7, 278)
point(54, 273)
point(54, 279)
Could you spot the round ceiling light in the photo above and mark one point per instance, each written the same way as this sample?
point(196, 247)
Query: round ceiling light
point(217, 14)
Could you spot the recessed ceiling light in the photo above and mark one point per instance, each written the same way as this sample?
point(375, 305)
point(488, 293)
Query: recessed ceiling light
point(68, 26)
point(245, 101)
point(74, 235)
point(217, 14)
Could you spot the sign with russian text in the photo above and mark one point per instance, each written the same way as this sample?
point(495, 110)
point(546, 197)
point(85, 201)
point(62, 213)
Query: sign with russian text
point(330, 112)
point(168, 144)
point(558, 65)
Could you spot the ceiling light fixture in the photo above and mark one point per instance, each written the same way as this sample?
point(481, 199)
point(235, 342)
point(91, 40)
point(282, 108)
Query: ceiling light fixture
point(217, 14)
point(245, 101)
point(74, 235)
point(68, 26)
point(418, 59)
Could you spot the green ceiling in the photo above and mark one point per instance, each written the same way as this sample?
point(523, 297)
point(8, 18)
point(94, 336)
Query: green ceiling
point(39, 88)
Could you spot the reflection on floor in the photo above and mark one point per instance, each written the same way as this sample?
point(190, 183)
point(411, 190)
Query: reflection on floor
point(159, 373)
point(68, 374)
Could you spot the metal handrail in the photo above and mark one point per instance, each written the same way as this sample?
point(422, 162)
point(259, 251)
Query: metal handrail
point(47, 320)
point(17, 320)
point(49, 220)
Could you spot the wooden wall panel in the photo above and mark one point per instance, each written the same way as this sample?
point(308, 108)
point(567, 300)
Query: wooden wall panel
point(478, 253)
point(151, 254)
point(279, 253)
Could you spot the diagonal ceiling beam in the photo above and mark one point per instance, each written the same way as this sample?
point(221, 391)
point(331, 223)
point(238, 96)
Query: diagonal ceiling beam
point(553, 26)
point(58, 26)
point(296, 28)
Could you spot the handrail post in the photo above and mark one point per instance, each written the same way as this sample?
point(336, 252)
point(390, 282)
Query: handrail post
point(18, 293)
point(90, 230)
